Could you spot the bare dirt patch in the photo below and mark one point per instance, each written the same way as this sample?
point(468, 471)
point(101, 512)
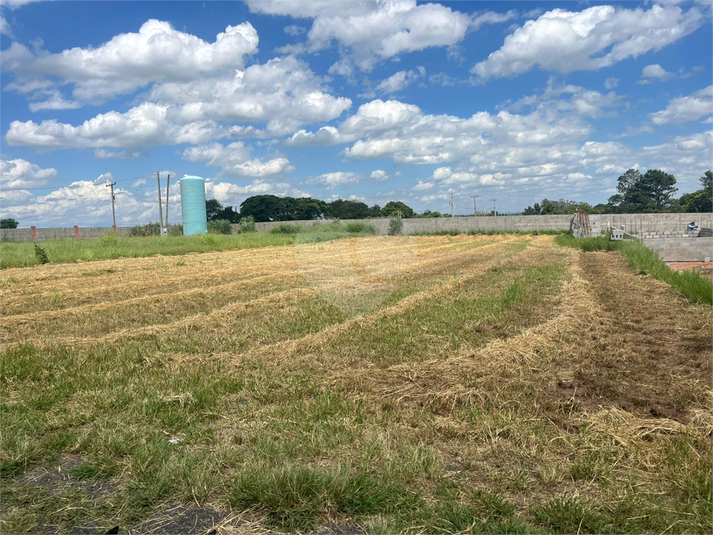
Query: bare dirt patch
point(652, 354)
point(706, 268)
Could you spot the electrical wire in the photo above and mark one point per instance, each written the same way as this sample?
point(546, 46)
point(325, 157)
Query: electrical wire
point(148, 175)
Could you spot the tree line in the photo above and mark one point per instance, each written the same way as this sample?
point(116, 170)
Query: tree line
point(650, 192)
point(273, 208)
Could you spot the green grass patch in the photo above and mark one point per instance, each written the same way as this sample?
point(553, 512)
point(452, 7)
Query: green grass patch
point(690, 283)
point(110, 246)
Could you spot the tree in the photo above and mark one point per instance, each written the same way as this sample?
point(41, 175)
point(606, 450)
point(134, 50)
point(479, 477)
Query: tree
point(308, 208)
point(375, 211)
point(9, 223)
point(653, 191)
point(261, 207)
point(533, 210)
point(215, 211)
point(700, 200)
point(212, 208)
point(228, 213)
point(342, 209)
point(625, 182)
point(429, 213)
point(563, 206)
point(394, 208)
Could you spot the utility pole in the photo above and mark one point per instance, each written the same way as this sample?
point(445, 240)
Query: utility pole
point(475, 204)
point(168, 180)
point(452, 203)
point(113, 198)
point(495, 209)
point(160, 204)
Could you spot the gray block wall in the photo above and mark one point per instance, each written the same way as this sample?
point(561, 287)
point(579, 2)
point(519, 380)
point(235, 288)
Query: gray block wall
point(633, 223)
point(682, 250)
point(643, 225)
point(43, 234)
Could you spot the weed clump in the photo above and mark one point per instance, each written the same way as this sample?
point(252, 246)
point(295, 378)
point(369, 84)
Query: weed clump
point(110, 239)
point(360, 228)
point(247, 224)
point(150, 229)
point(285, 228)
point(41, 255)
point(219, 226)
point(396, 226)
point(211, 240)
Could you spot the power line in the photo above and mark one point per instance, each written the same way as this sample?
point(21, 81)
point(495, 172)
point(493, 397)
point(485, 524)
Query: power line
point(68, 185)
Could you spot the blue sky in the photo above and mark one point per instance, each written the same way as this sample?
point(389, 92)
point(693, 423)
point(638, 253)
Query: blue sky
point(363, 99)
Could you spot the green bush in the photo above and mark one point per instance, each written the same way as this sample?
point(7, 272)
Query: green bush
point(396, 226)
point(175, 230)
point(41, 255)
point(285, 228)
point(360, 228)
point(110, 239)
point(150, 229)
point(219, 226)
point(247, 224)
point(211, 240)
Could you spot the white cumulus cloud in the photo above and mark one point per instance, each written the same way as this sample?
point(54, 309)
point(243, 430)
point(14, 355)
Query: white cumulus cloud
point(19, 173)
point(400, 80)
point(690, 108)
point(338, 178)
point(129, 61)
point(145, 125)
point(655, 71)
point(235, 162)
point(597, 37)
point(379, 175)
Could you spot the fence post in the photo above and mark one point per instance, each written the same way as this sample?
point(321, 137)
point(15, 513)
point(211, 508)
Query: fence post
point(76, 232)
point(34, 233)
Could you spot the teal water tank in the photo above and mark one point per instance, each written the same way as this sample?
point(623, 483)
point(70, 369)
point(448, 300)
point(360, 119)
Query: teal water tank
point(195, 220)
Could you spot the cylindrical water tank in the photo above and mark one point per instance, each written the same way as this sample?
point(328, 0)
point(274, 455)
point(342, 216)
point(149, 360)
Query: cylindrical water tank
point(195, 220)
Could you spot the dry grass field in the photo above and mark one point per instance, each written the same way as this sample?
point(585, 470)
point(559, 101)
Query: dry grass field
point(486, 384)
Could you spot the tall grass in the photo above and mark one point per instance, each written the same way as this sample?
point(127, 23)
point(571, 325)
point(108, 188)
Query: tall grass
point(109, 246)
point(690, 283)
point(319, 232)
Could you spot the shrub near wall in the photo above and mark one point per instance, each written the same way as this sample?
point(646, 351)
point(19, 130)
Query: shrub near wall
point(150, 229)
point(219, 226)
point(247, 224)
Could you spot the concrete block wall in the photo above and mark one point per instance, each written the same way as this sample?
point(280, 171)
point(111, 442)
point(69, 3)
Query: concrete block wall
point(682, 250)
point(633, 223)
point(643, 225)
point(382, 225)
point(461, 224)
point(43, 234)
